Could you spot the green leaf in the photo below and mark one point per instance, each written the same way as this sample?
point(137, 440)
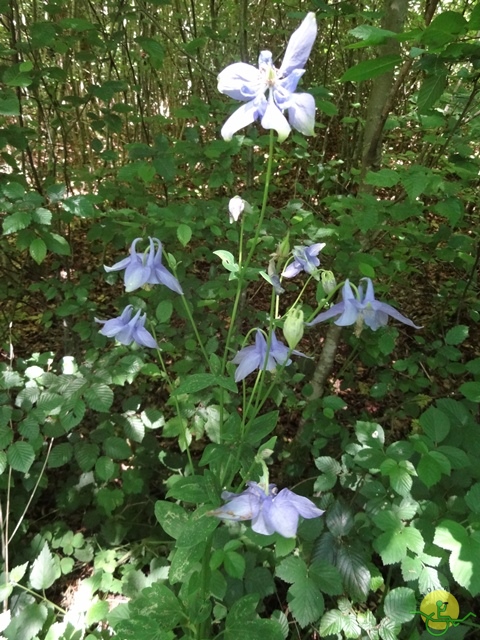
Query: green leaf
point(28, 624)
point(465, 553)
point(76, 24)
point(435, 424)
point(431, 90)
point(457, 335)
point(60, 455)
point(86, 454)
point(339, 519)
point(38, 250)
point(20, 456)
point(184, 234)
point(327, 577)
point(331, 623)
point(172, 517)
point(199, 381)
point(243, 622)
point(17, 573)
point(382, 178)
point(262, 426)
point(234, 564)
point(305, 601)
point(164, 311)
point(400, 604)
point(104, 468)
point(431, 467)
point(45, 570)
point(97, 612)
point(9, 105)
point(371, 68)
point(473, 498)
point(471, 391)
point(17, 221)
point(292, 569)
point(117, 448)
point(190, 489)
point(99, 397)
point(355, 573)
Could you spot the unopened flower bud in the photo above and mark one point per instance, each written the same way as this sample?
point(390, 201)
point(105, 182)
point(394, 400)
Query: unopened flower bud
point(283, 249)
point(235, 208)
point(293, 327)
point(328, 281)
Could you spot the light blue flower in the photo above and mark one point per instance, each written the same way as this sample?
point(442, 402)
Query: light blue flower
point(255, 356)
point(145, 268)
point(361, 308)
point(126, 329)
point(275, 511)
point(305, 260)
point(242, 81)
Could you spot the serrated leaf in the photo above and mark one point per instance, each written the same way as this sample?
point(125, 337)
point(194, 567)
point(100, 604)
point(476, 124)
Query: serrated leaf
point(400, 604)
point(243, 622)
point(190, 489)
point(86, 454)
point(292, 569)
point(45, 570)
point(17, 221)
point(339, 519)
point(435, 424)
point(20, 456)
point(431, 467)
point(97, 612)
point(164, 311)
point(17, 573)
point(305, 601)
point(99, 397)
point(473, 498)
point(431, 90)
point(199, 381)
point(60, 455)
point(371, 68)
point(331, 623)
point(355, 573)
point(117, 448)
point(38, 250)
point(457, 335)
point(234, 564)
point(382, 178)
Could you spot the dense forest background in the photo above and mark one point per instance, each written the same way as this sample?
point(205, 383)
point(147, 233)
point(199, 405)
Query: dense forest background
point(113, 456)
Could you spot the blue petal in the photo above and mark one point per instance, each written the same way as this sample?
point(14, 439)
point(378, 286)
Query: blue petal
point(389, 310)
point(163, 276)
point(336, 310)
point(301, 113)
point(292, 270)
point(242, 117)
point(240, 81)
point(136, 275)
point(248, 359)
point(280, 517)
point(299, 46)
point(274, 119)
point(305, 507)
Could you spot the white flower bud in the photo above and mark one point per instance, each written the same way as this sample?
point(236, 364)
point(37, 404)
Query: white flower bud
point(235, 208)
point(328, 281)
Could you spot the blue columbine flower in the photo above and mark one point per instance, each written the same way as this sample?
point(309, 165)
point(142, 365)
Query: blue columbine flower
point(127, 329)
point(305, 260)
point(361, 308)
point(274, 511)
point(255, 356)
point(146, 268)
point(245, 82)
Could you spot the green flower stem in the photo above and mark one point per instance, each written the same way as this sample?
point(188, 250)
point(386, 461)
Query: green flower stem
point(244, 266)
point(172, 395)
point(195, 330)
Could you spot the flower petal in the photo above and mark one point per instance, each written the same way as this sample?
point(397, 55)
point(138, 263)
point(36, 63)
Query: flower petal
point(336, 310)
point(292, 270)
point(299, 46)
point(247, 362)
point(136, 275)
point(240, 81)
point(242, 117)
point(274, 119)
point(301, 113)
point(389, 310)
point(305, 507)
